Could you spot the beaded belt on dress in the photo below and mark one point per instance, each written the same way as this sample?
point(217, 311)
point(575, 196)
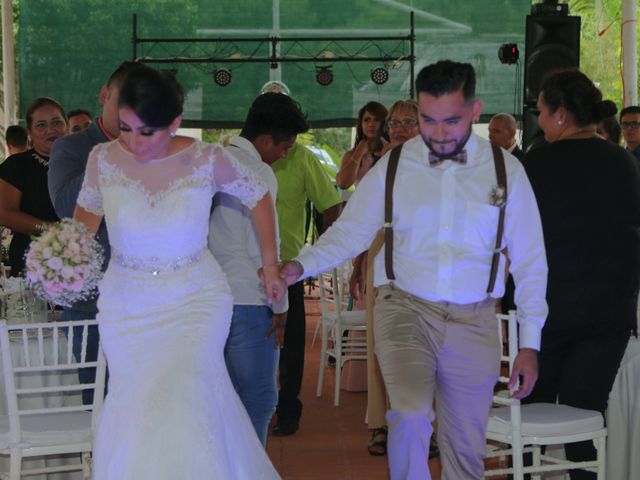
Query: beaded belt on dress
point(155, 265)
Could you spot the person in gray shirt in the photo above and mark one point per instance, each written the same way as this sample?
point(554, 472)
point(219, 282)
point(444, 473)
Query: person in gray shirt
point(251, 352)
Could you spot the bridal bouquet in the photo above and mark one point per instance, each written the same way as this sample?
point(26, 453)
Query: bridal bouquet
point(63, 265)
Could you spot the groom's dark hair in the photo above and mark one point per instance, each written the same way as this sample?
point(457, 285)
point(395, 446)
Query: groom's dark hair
point(445, 77)
point(274, 114)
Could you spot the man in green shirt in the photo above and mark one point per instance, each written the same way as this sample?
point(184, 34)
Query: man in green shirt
point(300, 178)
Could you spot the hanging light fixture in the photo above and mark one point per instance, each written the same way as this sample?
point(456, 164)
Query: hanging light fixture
point(379, 75)
point(222, 77)
point(324, 75)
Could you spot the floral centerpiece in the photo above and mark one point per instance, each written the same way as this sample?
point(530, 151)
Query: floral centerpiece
point(64, 264)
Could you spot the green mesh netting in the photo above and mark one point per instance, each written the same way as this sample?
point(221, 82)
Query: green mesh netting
point(67, 49)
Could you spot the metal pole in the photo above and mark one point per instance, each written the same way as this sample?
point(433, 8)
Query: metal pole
point(134, 37)
point(630, 51)
point(8, 65)
point(412, 63)
point(275, 73)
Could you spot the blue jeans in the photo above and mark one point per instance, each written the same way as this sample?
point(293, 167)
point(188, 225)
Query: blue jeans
point(252, 361)
point(86, 375)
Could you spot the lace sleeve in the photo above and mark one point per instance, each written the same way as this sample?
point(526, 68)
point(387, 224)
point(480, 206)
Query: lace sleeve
point(232, 177)
point(90, 197)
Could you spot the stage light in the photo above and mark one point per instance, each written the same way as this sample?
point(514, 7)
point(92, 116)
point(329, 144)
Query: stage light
point(508, 53)
point(222, 77)
point(324, 76)
point(379, 75)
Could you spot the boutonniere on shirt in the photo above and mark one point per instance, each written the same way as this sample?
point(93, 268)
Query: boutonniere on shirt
point(497, 197)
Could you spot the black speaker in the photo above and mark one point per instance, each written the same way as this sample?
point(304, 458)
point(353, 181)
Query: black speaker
point(551, 43)
point(532, 135)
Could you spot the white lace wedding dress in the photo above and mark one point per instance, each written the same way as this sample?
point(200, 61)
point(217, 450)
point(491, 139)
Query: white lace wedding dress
point(164, 312)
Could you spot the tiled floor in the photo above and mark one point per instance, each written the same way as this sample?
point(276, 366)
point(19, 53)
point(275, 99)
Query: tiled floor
point(332, 441)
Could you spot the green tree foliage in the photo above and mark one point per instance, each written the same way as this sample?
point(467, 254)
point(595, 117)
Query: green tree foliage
point(68, 49)
point(335, 141)
point(600, 44)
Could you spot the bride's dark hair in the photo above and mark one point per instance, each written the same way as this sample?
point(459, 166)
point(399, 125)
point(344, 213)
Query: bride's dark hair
point(156, 97)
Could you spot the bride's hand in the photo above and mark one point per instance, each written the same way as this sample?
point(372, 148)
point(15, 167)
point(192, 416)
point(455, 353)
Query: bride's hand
point(274, 286)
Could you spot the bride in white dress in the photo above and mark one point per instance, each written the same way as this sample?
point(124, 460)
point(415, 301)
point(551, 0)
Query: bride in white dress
point(165, 306)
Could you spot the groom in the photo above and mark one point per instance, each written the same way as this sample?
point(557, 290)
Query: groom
point(257, 328)
point(434, 316)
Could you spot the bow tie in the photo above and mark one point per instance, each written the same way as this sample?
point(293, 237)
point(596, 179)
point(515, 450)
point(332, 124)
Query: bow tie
point(460, 157)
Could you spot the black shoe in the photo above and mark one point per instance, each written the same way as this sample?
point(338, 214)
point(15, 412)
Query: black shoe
point(285, 427)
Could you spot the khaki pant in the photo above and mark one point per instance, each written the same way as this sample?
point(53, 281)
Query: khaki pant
point(442, 350)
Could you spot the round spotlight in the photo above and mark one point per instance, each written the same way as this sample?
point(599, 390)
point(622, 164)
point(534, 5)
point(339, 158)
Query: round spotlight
point(508, 53)
point(379, 75)
point(324, 76)
point(222, 77)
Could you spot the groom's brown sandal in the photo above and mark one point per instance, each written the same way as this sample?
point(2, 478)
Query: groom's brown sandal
point(378, 443)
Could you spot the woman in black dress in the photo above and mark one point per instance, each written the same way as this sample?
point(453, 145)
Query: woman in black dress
point(25, 205)
point(588, 193)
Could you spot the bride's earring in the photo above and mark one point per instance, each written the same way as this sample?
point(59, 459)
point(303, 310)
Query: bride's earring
point(172, 134)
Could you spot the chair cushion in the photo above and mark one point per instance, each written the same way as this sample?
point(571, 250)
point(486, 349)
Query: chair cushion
point(50, 429)
point(546, 419)
point(354, 317)
point(350, 318)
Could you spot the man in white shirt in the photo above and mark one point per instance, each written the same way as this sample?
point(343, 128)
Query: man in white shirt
point(252, 349)
point(502, 132)
point(434, 325)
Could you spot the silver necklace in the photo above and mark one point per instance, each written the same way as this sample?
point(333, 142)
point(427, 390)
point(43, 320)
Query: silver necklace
point(41, 160)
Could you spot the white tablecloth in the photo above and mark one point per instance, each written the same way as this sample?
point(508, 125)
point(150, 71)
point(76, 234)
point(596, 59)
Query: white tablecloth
point(623, 418)
point(51, 379)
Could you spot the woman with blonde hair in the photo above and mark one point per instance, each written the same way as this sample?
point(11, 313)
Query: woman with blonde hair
point(401, 125)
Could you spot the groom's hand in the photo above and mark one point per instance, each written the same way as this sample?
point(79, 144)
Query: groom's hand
point(291, 271)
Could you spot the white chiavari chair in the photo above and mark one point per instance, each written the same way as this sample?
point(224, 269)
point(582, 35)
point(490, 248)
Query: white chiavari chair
point(47, 430)
point(515, 429)
point(335, 321)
